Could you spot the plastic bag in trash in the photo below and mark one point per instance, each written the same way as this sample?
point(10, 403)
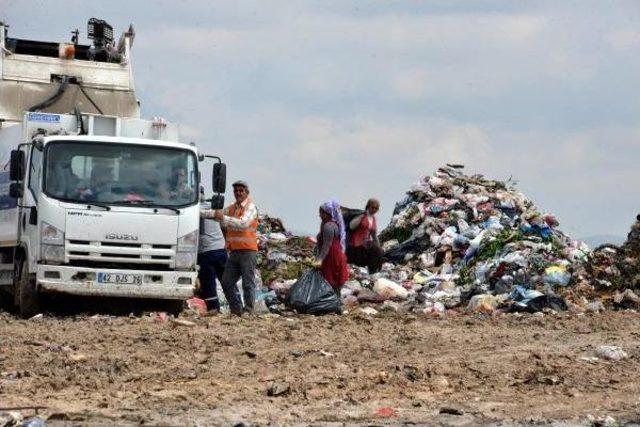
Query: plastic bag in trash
point(197, 305)
point(556, 275)
point(388, 289)
point(277, 237)
point(484, 303)
point(540, 303)
point(311, 294)
point(34, 422)
point(522, 295)
point(543, 231)
point(611, 352)
point(493, 223)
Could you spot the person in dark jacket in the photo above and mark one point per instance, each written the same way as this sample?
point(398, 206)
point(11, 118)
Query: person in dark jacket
point(364, 247)
point(212, 257)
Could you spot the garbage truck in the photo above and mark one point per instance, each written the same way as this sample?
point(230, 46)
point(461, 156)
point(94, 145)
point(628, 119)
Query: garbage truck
point(94, 200)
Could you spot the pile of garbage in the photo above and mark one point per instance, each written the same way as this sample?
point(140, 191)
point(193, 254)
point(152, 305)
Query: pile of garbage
point(282, 257)
point(268, 225)
point(612, 272)
point(473, 241)
point(616, 267)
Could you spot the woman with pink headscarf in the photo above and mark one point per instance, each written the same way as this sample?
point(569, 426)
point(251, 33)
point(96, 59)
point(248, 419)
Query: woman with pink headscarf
point(331, 246)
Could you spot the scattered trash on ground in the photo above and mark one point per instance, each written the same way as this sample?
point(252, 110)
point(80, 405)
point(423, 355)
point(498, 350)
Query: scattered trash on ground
point(278, 388)
point(607, 421)
point(451, 411)
point(34, 422)
point(369, 311)
point(10, 418)
point(160, 317)
point(182, 322)
point(77, 357)
point(199, 306)
point(611, 352)
point(386, 412)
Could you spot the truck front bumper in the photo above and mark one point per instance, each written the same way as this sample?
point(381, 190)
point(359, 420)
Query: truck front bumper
point(83, 281)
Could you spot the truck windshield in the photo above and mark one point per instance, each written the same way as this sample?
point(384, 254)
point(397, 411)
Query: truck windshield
point(120, 173)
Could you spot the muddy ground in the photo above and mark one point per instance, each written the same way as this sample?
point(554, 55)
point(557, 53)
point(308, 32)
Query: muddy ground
point(385, 370)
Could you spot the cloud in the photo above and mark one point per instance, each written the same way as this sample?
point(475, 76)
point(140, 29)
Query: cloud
point(349, 99)
point(623, 40)
point(324, 143)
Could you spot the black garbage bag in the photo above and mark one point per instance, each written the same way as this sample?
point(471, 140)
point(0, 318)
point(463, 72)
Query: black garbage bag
point(540, 303)
point(547, 301)
point(396, 255)
point(347, 215)
point(312, 294)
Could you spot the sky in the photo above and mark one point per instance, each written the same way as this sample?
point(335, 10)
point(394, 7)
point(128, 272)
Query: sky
point(312, 100)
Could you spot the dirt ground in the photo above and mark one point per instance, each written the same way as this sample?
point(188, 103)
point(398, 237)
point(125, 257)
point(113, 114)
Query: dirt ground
point(391, 369)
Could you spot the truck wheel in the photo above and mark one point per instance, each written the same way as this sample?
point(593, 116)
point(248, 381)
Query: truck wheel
point(174, 307)
point(27, 293)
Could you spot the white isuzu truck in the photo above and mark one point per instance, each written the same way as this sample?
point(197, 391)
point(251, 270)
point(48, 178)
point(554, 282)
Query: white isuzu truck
point(93, 200)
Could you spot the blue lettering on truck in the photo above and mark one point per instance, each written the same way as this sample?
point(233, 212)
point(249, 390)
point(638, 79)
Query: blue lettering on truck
point(43, 117)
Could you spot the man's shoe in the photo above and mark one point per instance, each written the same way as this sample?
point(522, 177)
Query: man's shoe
point(236, 313)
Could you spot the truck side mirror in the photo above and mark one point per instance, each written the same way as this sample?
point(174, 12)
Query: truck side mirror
point(16, 165)
point(219, 178)
point(217, 201)
point(15, 190)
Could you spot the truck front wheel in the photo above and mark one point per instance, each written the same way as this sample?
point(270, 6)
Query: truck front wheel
point(174, 307)
point(26, 293)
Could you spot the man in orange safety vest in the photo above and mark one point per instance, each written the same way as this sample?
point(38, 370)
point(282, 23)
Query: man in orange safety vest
point(240, 223)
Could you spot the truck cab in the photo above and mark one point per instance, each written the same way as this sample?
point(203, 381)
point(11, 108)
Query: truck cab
point(92, 203)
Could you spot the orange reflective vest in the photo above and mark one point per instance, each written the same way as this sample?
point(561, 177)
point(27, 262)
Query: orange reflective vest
point(238, 240)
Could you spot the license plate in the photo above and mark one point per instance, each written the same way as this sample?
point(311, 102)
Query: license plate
point(120, 278)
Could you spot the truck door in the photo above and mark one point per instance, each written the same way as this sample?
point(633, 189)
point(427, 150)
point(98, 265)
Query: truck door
point(29, 212)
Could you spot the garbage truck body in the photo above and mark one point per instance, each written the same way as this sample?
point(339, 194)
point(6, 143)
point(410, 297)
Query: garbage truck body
point(93, 199)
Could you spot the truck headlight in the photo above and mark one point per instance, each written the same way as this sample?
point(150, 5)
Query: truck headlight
point(185, 260)
point(50, 235)
point(187, 249)
point(52, 253)
point(188, 242)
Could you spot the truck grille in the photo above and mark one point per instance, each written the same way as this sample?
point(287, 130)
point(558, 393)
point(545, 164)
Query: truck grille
point(118, 265)
point(118, 255)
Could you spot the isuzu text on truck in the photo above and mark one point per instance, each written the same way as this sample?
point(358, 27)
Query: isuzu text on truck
point(93, 199)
